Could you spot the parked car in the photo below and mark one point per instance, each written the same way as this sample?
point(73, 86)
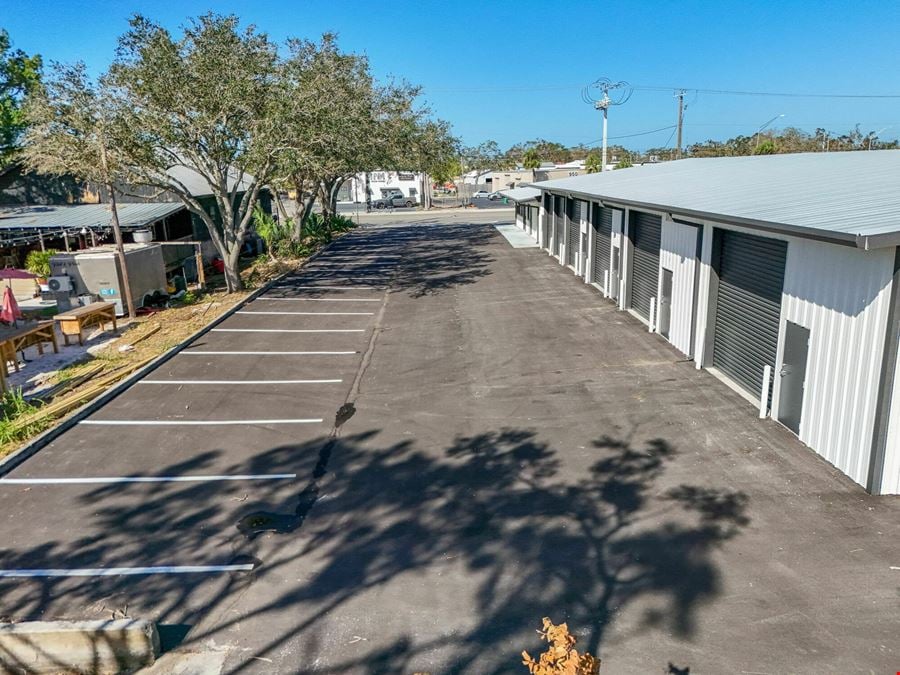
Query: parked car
point(481, 194)
point(393, 200)
point(494, 196)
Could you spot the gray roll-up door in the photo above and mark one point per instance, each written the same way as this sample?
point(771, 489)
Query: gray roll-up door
point(545, 226)
point(750, 273)
point(558, 224)
point(574, 230)
point(644, 230)
point(601, 221)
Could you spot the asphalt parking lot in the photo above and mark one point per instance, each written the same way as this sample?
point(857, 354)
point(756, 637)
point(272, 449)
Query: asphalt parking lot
point(468, 439)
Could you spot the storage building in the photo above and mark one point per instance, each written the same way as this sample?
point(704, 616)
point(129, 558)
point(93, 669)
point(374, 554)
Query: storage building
point(777, 273)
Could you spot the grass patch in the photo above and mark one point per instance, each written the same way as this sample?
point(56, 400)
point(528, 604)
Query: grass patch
point(13, 406)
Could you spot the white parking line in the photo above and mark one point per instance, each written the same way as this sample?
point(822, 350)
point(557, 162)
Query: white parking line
point(365, 263)
point(269, 313)
point(104, 480)
point(243, 311)
point(229, 382)
point(125, 571)
point(335, 288)
point(199, 353)
point(204, 423)
point(324, 299)
point(288, 330)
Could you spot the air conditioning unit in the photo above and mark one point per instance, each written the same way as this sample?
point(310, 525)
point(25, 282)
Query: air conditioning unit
point(61, 284)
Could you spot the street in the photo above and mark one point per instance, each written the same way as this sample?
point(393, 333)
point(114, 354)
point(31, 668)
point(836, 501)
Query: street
point(402, 456)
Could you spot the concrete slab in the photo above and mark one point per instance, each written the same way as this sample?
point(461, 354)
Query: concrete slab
point(101, 647)
point(516, 237)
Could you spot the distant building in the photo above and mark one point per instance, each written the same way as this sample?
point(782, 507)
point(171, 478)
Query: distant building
point(377, 184)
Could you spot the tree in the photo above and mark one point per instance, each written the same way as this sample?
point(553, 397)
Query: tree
point(531, 159)
point(592, 163)
point(204, 104)
point(73, 127)
point(483, 157)
point(20, 74)
point(447, 171)
point(767, 147)
point(340, 122)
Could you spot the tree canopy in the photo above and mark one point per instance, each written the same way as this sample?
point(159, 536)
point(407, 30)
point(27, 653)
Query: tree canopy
point(216, 113)
point(19, 75)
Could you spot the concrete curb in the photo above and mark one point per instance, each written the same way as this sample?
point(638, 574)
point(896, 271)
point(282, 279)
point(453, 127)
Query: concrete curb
point(12, 460)
point(117, 646)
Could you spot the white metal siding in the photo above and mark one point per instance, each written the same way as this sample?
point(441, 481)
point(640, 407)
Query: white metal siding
point(890, 480)
point(841, 295)
point(678, 249)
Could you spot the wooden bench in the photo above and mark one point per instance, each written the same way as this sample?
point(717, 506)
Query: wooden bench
point(17, 339)
point(73, 322)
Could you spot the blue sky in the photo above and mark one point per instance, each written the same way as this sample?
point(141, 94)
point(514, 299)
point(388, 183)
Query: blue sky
point(513, 71)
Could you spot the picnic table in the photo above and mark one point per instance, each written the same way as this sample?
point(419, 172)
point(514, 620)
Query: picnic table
point(73, 322)
point(17, 339)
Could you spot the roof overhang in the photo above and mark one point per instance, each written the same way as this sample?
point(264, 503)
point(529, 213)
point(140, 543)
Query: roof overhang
point(865, 242)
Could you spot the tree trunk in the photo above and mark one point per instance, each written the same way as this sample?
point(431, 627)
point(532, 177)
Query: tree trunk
point(325, 199)
point(281, 210)
point(233, 281)
point(335, 189)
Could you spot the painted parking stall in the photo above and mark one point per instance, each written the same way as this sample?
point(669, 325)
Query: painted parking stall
point(227, 427)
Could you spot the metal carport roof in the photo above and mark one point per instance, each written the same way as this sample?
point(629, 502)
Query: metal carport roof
point(846, 197)
point(521, 194)
point(24, 219)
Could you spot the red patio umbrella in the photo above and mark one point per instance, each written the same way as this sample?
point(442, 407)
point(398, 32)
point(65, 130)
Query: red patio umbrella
point(13, 273)
point(10, 310)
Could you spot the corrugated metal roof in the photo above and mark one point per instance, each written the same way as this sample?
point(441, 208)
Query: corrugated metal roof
point(521, 194)
point(75, 217)
point(851, 197)
point(196, 184)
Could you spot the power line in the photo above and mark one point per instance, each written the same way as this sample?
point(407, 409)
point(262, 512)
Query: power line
point(733, 92)
point(725, 92)
point(640, 133)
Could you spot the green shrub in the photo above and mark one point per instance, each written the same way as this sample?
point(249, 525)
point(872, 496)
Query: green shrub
point(341, 223)
point(272, 232)
point(38, 262)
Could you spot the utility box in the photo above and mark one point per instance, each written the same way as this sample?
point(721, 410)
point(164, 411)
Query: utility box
point(96, 272)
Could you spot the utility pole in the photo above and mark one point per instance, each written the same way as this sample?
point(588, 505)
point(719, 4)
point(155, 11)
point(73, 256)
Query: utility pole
point(604, 102)
point(603, 105)
point(680, 94)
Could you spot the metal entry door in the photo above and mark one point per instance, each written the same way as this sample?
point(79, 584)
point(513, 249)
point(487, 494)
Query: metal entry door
point(793, 376)
point(665, 304)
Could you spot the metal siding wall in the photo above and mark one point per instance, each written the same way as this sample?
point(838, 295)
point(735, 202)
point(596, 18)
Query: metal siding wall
point(678, 248)
point(573, 230)
point(841, 295)
point(890, 481)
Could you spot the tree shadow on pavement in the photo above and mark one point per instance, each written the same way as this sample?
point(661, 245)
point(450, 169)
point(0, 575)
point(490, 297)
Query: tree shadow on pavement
point(500, 521)
point(431, 259)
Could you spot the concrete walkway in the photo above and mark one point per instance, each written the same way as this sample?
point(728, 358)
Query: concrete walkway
point(503, 445)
